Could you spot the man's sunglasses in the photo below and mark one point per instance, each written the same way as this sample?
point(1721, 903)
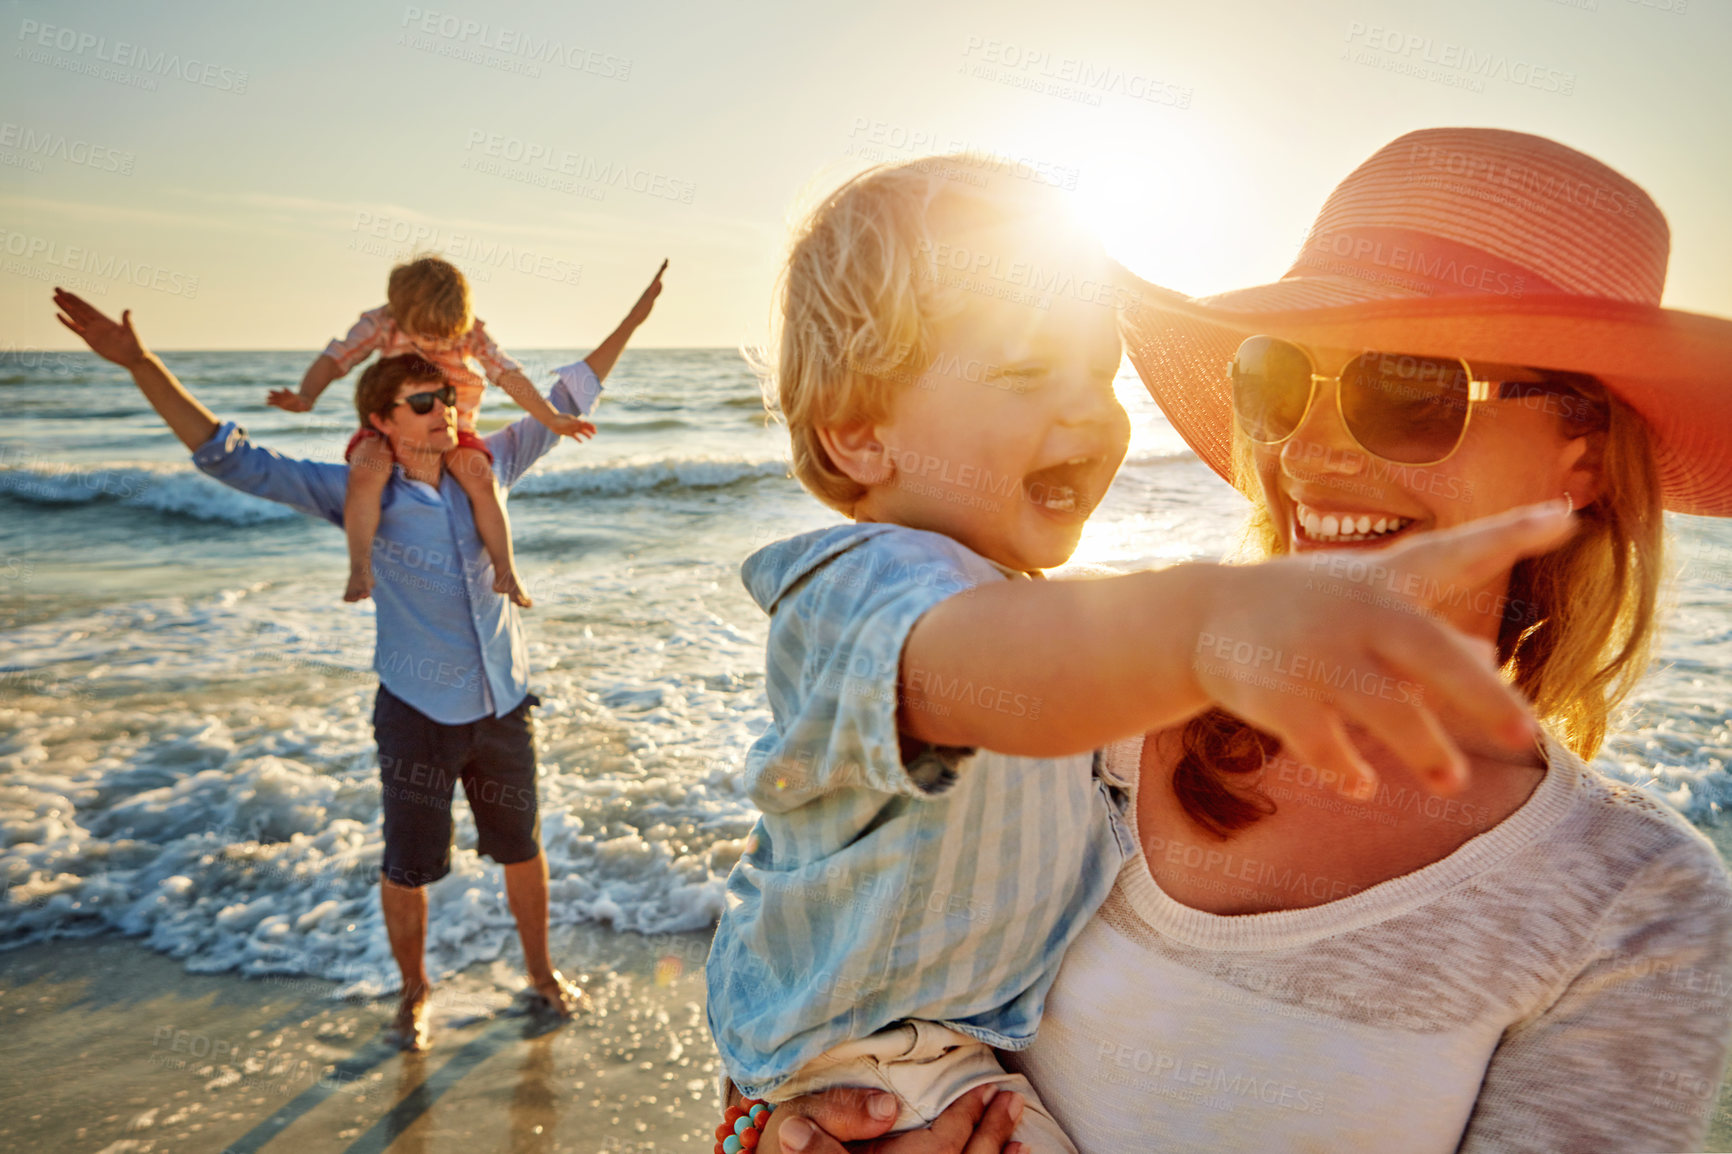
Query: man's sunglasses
point(422, 403)
point(1408, 410)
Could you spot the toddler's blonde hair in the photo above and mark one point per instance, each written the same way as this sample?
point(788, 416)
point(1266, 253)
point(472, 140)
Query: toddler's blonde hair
point(429, 297)
point(860, 293)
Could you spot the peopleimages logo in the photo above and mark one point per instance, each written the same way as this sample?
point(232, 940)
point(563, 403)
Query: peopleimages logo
point(45, 144)
point(1430, 58)
point(516, 42)
point(124, 54)
point(103, 266)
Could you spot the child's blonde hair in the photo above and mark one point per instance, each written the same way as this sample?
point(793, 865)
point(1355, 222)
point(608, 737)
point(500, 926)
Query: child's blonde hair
point(429, 297)
point(860, 294)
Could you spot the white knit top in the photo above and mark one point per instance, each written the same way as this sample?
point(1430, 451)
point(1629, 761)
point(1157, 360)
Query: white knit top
point(1562, 982)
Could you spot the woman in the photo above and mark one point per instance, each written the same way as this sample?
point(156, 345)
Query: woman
point(1542, 961)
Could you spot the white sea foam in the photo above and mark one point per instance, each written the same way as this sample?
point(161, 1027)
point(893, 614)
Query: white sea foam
point(236, 825)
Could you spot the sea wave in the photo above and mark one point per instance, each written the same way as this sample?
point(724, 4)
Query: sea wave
point(660, 474)
point(183, 492)
point(173, 490)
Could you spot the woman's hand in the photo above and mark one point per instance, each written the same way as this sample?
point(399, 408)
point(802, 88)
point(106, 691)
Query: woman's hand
point(1300, 646)
point(821, 1123)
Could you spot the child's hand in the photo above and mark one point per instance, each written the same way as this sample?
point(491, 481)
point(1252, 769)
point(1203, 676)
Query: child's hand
point(1300, 646)
point(569, 426)
point(289, 399)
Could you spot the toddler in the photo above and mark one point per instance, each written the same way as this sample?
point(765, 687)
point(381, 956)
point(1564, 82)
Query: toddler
point(945, 366)
point(428, 312)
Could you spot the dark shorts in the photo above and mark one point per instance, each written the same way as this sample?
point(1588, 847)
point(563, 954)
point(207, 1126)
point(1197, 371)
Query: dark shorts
point(465, 440)
point(420, 760)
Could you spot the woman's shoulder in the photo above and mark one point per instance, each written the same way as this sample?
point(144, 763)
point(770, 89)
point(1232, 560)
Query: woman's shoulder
point(1636, 840)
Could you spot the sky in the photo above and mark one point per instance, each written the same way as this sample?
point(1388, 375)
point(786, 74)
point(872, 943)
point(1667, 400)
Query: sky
point(244, 176)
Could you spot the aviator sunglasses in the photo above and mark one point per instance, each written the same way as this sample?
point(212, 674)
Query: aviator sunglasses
point(1408, 410)
point(422, 403)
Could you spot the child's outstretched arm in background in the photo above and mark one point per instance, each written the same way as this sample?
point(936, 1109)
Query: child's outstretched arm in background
point(366, 336)
point(319, 374)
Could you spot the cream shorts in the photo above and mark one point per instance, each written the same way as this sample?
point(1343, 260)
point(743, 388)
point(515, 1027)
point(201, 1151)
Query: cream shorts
point(927, 1067)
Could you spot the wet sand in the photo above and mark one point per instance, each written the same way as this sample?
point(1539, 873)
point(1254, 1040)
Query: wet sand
point(108, 1047)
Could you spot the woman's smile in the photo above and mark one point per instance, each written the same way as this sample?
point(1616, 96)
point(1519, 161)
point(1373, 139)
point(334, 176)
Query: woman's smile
point(1323, 525)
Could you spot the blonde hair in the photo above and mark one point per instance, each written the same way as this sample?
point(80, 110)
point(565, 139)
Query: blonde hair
point(1577, 634)
point(429, 297)
point(860, 294)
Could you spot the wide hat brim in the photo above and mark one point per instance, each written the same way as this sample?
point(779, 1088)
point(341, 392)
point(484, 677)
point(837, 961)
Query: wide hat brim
point(1673, 368)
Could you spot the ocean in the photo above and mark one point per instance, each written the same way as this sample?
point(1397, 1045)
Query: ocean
point(185, 700)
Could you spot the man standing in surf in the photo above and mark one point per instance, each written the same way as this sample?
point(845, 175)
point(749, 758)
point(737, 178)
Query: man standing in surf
point(454, 701)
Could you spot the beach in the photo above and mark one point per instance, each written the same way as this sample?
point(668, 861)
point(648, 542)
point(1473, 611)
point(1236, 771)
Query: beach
point(191, 952)
point(109, 1047)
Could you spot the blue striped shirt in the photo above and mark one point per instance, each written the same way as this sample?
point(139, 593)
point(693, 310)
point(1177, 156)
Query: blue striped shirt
point(871, 890)
point(446, 642)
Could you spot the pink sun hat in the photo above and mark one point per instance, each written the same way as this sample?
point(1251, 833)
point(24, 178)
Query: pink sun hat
point(1482, 244)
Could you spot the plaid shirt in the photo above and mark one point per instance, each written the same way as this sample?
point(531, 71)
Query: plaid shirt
point(377, 332)
point(945, 888)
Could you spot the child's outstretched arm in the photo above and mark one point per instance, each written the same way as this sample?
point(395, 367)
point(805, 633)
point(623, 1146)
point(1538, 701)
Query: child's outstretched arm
point(365, 335)
point(319, 374)
point(1296, 646)
point(519, 388)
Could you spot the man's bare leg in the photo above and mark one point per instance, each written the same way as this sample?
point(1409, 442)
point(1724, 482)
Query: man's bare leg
point(406, 925)
point(526, 889)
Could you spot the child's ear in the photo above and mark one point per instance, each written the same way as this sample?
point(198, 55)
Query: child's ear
point(857, 452)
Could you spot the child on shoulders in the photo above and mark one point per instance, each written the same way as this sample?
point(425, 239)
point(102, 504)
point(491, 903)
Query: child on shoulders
point(428, 312)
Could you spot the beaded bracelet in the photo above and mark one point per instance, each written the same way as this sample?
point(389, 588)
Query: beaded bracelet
point(742, 1126)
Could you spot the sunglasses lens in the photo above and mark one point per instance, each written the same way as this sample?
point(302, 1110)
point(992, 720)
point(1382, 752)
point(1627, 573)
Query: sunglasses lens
point(1271, 388)
point(1411, 410)
point(422, 403)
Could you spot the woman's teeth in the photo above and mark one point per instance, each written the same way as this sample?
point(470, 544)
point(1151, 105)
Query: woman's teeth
point(1337, 527)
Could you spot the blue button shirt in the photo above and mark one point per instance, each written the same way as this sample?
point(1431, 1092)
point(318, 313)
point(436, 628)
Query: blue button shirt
point(446, 642)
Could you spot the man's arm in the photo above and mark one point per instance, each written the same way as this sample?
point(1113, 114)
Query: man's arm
point(118, 342)
point(601, 360)
point(312, 488)
point(524, 442)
